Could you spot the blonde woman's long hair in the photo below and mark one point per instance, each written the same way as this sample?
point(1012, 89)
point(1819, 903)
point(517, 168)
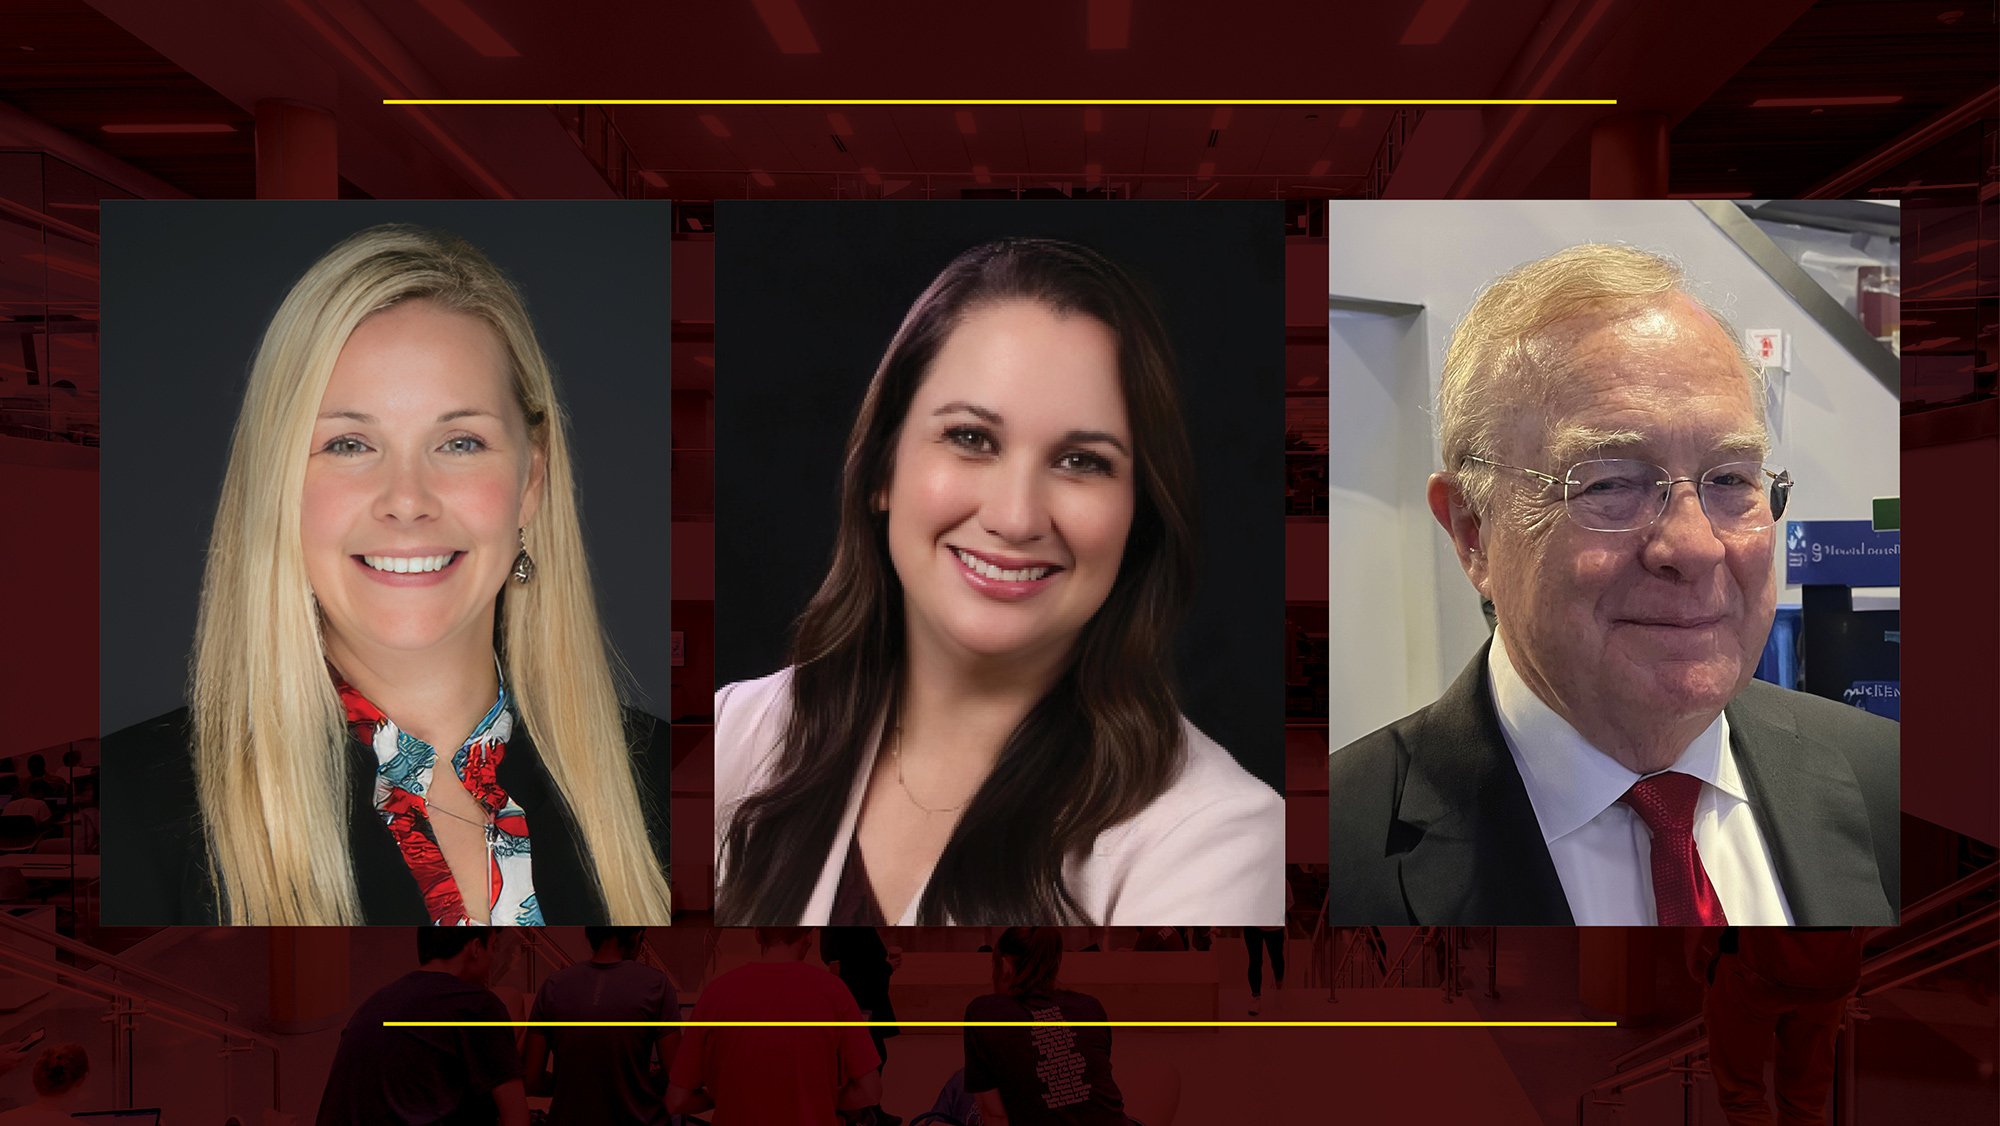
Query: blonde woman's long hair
point(269, 733)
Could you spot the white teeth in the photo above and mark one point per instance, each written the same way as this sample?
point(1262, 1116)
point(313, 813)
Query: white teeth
point(981, 567)
point(406, 565)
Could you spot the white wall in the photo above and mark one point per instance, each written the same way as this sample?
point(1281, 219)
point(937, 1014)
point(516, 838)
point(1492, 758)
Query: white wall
point(1408, 617)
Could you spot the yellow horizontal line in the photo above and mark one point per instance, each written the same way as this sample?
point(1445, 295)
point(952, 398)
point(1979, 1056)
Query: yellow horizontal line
point(999, 101)
point(998, 1023)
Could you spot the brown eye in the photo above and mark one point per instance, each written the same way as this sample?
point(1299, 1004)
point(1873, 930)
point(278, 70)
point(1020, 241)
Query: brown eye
point(971, 439)
point(1085, 461)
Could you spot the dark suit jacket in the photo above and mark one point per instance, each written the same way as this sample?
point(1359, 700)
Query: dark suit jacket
point(1431, 824)
point(156, 860)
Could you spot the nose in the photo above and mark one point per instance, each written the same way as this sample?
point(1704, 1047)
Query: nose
point(407, 495)
point(1015, 507)
point(1683, 543)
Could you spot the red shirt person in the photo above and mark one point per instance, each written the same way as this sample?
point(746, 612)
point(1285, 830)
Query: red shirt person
point(758, 1075)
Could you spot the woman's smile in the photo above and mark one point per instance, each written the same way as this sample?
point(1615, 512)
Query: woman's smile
point(1004, 579)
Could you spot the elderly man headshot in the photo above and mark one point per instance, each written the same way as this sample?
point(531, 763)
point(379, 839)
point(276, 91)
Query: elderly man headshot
point(1607, 759)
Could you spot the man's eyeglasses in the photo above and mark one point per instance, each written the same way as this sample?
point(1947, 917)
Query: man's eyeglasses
point(1622, 495)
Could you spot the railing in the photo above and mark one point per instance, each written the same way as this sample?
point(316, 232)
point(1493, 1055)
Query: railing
point(1683, 1049)
point(1431, 958)
point(128, 1004)
point(110, 961)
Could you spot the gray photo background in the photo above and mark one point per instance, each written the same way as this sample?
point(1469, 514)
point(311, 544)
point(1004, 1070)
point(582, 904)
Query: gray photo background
point(188, 289)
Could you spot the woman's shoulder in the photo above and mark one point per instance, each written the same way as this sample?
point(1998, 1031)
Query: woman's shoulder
point(1212, 778)
point(154, 757)
point(749, 723)
point(151, 825)
point(746, 700)
point(1211, 848)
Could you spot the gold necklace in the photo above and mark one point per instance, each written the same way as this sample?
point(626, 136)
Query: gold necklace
point(896, 752)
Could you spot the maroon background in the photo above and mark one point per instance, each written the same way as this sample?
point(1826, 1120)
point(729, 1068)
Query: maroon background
point(297, 86)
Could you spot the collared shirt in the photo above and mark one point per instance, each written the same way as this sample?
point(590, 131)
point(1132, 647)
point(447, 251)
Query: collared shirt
point(1601, 849)
point(402, 783)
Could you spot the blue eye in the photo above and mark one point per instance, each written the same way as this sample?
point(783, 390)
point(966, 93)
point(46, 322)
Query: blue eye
point(463, 444)
point(346, 445)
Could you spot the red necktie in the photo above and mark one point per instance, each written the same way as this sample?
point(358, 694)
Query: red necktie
point(1681, 891)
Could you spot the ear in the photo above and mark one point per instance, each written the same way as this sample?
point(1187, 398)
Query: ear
point(1463, 525)
point(538, 477)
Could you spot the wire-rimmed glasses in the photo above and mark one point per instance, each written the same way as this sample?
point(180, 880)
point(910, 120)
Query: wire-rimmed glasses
point(1624, 495)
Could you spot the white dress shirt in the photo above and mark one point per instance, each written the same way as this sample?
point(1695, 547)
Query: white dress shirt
point(1208, 851)
point(1602, 851)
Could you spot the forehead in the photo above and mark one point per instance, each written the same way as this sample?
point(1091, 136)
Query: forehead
point(1031, 365)
point(1666, 375)
point(414, 358)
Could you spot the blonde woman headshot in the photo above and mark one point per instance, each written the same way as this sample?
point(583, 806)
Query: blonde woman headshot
point(980, 724)
point(401, 707)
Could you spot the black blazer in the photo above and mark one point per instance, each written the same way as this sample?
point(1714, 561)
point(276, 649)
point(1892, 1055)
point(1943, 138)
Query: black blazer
point(155, 857)
point(1431, 824)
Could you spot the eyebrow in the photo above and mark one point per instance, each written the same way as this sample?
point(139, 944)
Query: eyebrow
point(1571, 443)
point(366, 419)
point(959, 406)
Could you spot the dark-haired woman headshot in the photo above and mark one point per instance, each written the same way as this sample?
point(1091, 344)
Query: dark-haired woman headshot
point(979, 724)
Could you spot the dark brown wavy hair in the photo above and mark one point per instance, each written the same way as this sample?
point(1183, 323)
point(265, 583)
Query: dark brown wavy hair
point(1099, 747)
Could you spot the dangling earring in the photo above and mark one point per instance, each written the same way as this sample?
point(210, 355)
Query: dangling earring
point(524, 564)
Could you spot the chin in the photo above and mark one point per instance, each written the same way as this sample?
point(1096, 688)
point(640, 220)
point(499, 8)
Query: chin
point(1686, 688)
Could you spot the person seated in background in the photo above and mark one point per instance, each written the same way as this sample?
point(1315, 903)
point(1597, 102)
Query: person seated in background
point(18, 806)
point(1030, 1076)
point(602, 1075)
point(790, 1075)
point(38, 772)
point(59, 1077)
point(454, 1073)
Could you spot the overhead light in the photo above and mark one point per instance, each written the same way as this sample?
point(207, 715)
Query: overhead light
point(177, 127)
point(1858, 100)
point(1320, 166)
point(1093, 121)
point(715, 125)
point(838, 123)
point(965, 123)
point(763, 178)
point(652, 177)
point(1431, 22)
point(1351, 118)
point(1206, 170)
point(1109, 24)
point(1220, 118)
point(980, 173)
point(787, 25)
point(466, 24)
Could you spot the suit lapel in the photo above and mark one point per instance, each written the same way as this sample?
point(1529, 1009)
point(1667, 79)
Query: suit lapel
point(1811, 811)
point(1475, 855)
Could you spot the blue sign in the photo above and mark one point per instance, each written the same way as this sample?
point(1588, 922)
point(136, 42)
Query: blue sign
point(1842, 553)
point(1877, 697)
